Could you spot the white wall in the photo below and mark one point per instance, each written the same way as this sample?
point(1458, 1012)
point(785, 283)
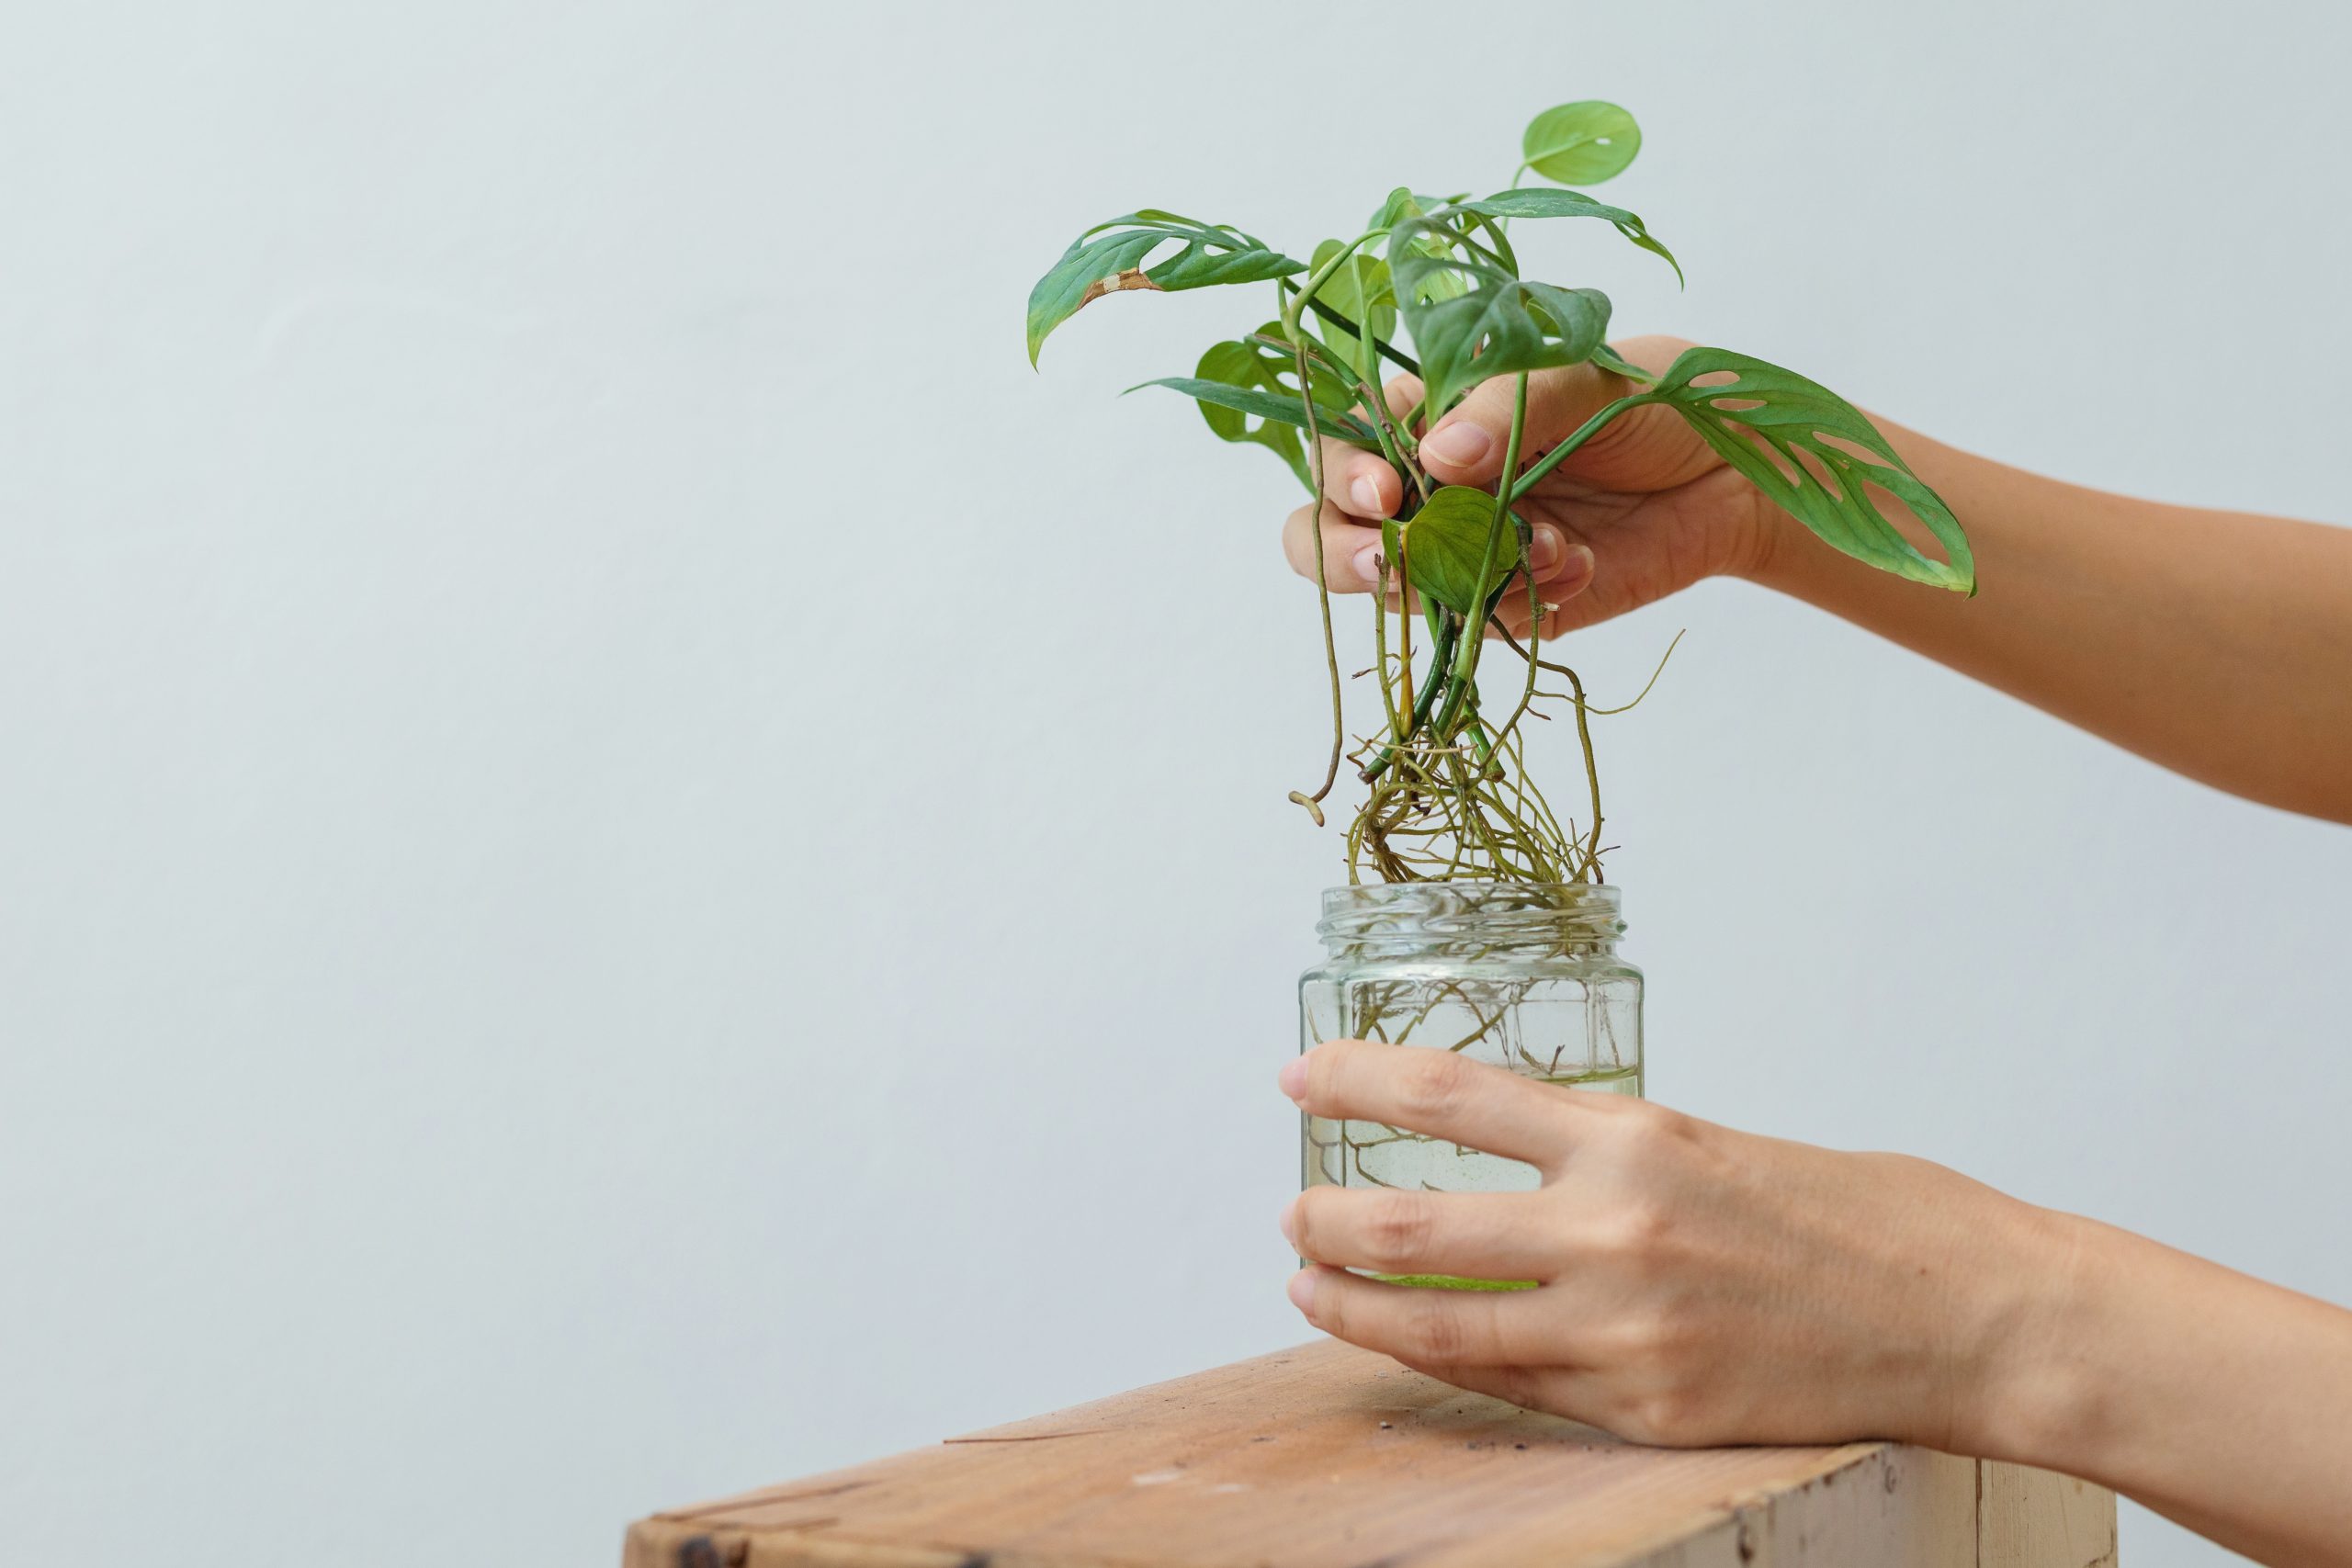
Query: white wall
point(632, 862)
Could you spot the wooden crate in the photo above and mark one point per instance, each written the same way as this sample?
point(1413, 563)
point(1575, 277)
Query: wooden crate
point(1332, 1456)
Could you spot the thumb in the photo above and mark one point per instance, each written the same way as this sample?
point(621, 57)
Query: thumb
point(1649, 449)
point(1466, 446)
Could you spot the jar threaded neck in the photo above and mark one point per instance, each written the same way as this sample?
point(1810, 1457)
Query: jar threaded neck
point(1517, 919)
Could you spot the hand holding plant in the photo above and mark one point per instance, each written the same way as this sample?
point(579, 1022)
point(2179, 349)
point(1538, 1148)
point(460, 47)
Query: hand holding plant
point(1647, 459)
point(1640, 511)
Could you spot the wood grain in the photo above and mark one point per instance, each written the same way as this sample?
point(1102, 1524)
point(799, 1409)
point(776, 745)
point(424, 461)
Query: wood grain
point(1330, 1456)
point(2026, 1517)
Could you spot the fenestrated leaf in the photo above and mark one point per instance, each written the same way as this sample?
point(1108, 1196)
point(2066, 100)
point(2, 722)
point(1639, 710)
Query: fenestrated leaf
point(1569, 204)
point(1237, 364)
point(1286, 407)
point(1109, 259)
point(1496, 325)
point(1797, 449)
point(1251, 364)
point(1581, 143)
point(1445, 543)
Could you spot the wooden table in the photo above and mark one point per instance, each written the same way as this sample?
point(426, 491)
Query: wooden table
point(1332, 1456)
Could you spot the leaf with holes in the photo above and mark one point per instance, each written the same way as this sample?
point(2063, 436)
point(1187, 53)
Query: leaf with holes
point(1237, 364)
point(1797, 441)
point(1245, 364)
point(1109, 259)
point(1495, 325)
point(1582, 144)
point(1569, 204)
point(1444, 544)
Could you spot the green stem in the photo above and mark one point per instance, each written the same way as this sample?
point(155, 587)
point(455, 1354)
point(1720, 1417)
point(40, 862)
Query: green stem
point(1584, 432)
point(1323, 596)
point(1388, 351)
point(1465, 656)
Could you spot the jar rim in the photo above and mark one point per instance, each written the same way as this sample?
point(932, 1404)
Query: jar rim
point(1562, 896)
point(1536, 914)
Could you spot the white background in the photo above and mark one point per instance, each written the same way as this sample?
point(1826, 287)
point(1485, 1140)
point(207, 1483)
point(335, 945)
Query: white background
point(632, 862)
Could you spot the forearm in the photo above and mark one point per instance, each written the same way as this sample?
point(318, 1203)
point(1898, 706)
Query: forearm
point(2211, 1397)
point(2216, 643)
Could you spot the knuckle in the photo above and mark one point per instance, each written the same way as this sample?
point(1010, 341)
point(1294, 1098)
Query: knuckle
point(1329, 1312)
point(1670, 1414)
point(1651, 1132)
point(1397, 1230)
point(1431, 1334)
point(1653, 1341)
point(1432, 1083)
point(1633, 1233)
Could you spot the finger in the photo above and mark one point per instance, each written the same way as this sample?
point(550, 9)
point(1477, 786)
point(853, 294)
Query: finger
point(1424, 1089)
point(1363, 483)
point(1350, 549)
point(1559, 591)
point(1466, 446)
point(1422, 1326)
point(1474, 1235)
point(1648, 448)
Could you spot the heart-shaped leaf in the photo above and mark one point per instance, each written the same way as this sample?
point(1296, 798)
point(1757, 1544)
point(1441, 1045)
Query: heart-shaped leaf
point(1795, 440)
point(1488, 323)
point(1109, 259)
point(1581, 143)
point(1444, 544)
point(1569, 204)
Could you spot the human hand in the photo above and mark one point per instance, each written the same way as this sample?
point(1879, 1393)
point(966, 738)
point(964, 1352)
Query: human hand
point(1642, 509)
point(1694, 1285)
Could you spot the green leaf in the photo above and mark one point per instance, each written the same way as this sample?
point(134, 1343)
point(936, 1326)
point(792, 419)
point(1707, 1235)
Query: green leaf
point(1242, 362)
point(1610, 359)
point(1581, 143)
point(1359, 289)
point(1444, 544)
point(1285, 406)
point(1401, 204)
point(1569, 204)
point(1109, 259)
point(1490, 323)
point(1795, 440)
point(1238, 364)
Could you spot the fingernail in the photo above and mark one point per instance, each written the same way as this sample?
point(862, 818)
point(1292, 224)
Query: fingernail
point(1293, 1077)
point(1548, 545)
point(1459, 445)
point(1301, 1290)
point(1366, 492)
point(1576, 569)
point(1289, 1223)
point(1368, 564)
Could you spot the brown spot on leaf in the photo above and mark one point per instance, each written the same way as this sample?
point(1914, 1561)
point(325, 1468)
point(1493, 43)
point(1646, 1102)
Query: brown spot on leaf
point(1132, 278)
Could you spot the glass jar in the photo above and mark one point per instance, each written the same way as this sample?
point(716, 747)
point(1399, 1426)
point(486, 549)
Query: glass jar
point(1522, 975)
